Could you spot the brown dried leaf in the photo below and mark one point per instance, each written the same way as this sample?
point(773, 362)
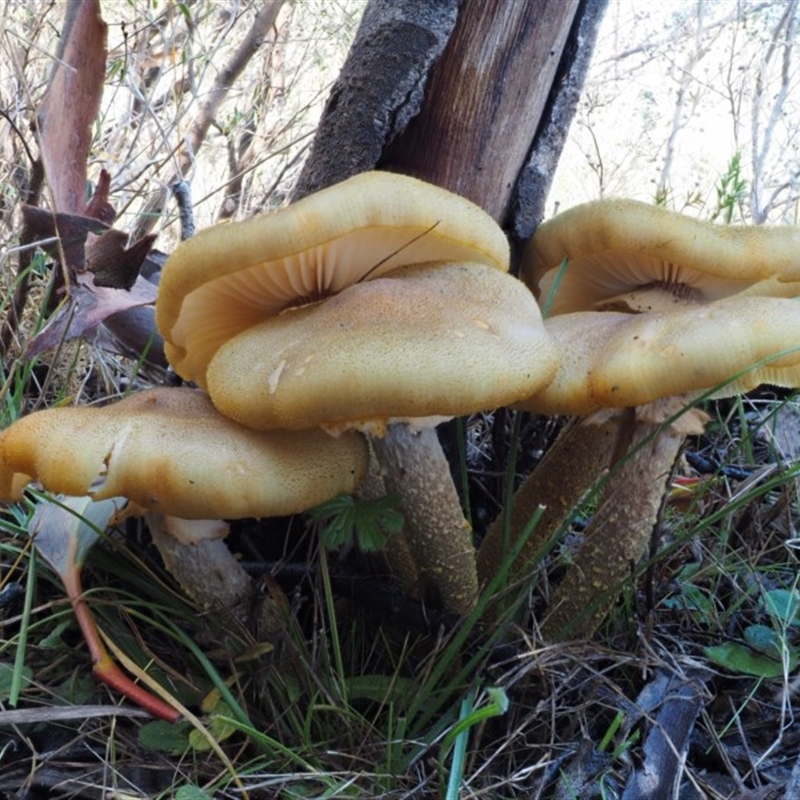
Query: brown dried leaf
point(44, 227)
point(133, 333)
point(86, 307)
point(71, 103)
point(99, 206)
point(113, 263)
point(87, 244)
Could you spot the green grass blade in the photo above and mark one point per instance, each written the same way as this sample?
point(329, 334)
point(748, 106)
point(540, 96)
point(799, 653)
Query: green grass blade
point(17, 679)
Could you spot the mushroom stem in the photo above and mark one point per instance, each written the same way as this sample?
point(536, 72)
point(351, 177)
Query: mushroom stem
point(617, 536)
point(396, 555)
point(196, 555)
point(436, 532)
point(204, 568)
point(207, 571)
point(583, 450)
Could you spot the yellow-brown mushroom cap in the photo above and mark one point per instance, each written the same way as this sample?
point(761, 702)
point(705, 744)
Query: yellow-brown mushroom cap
point(581, 339)
point(12, 483)
point(170, 451)
point(623, 254)
point(435, 339)
point(230, 277)
point(614, 360)
point(698, 349)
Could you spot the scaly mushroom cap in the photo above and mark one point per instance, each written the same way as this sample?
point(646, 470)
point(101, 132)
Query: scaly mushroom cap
point(436, 339)
point(697, 349)
point(230, 277)
point(631, 256)
point(171, 452)
point(581, 340)
point(614, 360)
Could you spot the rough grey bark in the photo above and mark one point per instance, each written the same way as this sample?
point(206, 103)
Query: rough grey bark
point(536, 176)
point(476, 97)
point(380, 88)
point(486, 98)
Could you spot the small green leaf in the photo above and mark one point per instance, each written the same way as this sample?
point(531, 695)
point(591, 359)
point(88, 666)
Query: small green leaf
point(782, 605)
point(693, 599)
point(76, 690)
point(764, 640)
point(165, 737)
point(191, 792)
point(53, 639)
point(741, 659)
point(117, 67)
point(219, 726)
point(346, 519)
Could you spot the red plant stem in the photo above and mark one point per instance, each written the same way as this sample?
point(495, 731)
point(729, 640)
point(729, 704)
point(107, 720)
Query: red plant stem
point(105, 668)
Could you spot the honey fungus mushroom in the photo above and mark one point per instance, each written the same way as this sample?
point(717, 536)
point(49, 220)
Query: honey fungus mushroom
point(227, 278)
point(636, 257)
point(428, 341)
point(371, 303)
point(632, 378)
point(169, 451)
point(643, 304)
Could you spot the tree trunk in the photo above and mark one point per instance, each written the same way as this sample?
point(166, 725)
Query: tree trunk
point(485, 99)
point(475, 96)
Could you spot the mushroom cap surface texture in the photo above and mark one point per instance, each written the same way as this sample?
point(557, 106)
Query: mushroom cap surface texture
point(615, 360)
point(632, 256)
point(170, 451)
point(435, 339)
point(230, 277)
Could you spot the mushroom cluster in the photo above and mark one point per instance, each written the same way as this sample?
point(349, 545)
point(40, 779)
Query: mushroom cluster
point(650, 310)
point(382, 304)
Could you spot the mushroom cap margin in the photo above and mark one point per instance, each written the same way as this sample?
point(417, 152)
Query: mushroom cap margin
point(232, 276)
point(170, 451)
point(435, 339)
point(615, 245)
point(615, 360)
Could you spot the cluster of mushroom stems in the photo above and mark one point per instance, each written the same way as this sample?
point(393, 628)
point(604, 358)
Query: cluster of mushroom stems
point(327, 340)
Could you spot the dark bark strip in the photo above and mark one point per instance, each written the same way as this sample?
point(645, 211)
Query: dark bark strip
point(533, 184)
point(380, 88)
point(485, 100)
